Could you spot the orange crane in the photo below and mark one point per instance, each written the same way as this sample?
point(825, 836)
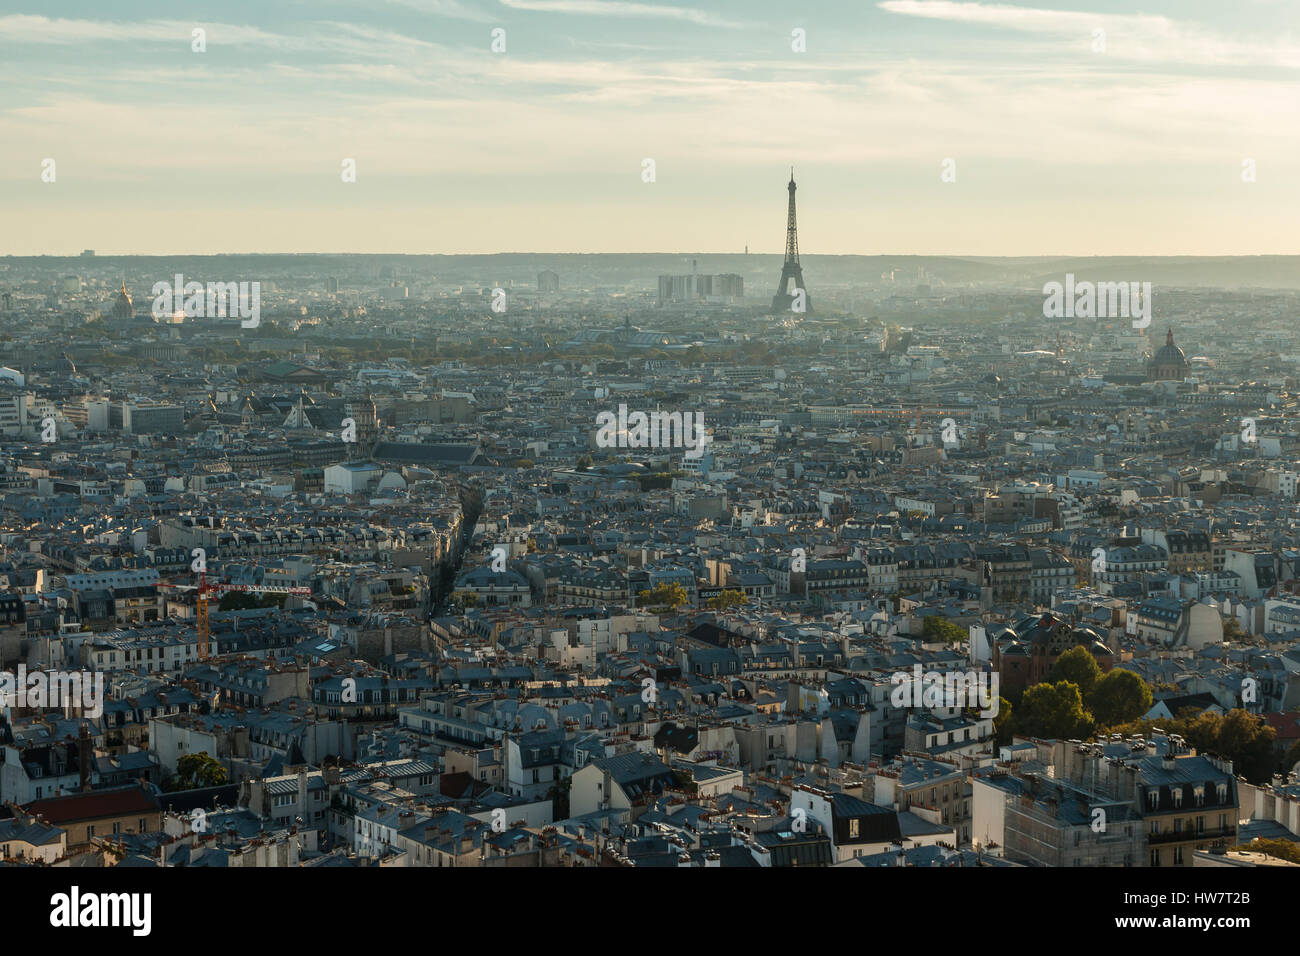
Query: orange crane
point(205, 589)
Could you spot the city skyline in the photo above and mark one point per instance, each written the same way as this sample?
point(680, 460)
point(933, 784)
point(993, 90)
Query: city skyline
point(1063, 141)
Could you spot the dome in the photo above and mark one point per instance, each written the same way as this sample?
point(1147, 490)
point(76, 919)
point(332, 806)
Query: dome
point(123, 308)
point(1168, 362)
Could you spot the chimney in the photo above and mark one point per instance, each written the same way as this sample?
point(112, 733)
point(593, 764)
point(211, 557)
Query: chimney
point(84, 753)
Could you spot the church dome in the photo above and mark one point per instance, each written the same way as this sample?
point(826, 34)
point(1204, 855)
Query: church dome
point(1168, 362)
point(123, 308)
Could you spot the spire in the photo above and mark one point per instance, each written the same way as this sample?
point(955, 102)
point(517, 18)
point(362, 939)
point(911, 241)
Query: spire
point(1169, 338)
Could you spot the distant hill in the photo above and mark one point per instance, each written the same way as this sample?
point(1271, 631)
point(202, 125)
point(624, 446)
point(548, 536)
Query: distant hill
point(641, 270)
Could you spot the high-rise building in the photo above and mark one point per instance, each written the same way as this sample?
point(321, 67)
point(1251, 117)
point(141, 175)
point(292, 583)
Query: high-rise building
point(548, 282)
point(692, 287)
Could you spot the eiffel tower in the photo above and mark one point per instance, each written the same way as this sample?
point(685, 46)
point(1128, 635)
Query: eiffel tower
point(791, 271)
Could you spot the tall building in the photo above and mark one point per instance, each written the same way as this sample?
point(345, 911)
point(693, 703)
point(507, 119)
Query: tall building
point(688, 288)
point(791, 271)
point(548, 282)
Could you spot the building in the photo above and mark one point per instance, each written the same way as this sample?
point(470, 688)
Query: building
point(548, 281)
point(153, 418)
point(693, 287)
point(123, 307)
point(100, 813)
point(1168, 364)
point(1024, 655)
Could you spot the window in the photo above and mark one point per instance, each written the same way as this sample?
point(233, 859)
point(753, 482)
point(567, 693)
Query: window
point(853, 829)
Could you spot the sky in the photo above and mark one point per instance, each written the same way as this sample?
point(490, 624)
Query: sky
point(1072, 128)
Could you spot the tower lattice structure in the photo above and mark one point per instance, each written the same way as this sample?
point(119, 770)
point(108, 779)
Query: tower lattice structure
point(791, 271)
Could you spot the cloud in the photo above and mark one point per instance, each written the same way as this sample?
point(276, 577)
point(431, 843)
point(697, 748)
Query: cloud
point(620, 8)
point(24, 28)
point(1154, 39)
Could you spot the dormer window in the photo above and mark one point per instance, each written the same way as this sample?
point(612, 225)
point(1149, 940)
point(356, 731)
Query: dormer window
point(1199, 795)
point(1177, 794)
point(1153, 799)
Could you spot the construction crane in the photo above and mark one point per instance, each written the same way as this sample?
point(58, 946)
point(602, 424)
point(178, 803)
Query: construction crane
point(205, 590)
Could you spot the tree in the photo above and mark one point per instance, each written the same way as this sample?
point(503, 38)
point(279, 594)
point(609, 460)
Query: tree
point(584, 463)
point(938, 628)
point(728, 599)
point(669, 595)
point(1281, 849)
point(1247, 740)
point(199, 770)
point(1118, 697)
point(1003, 724)
point(1233, 632)
point(1291, 759)
point(1239, 736)
point(1053, 710)
point(1078, 666)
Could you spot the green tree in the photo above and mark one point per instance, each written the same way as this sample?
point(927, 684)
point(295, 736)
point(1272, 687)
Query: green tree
point(1118, 696)
point(1053, 710)
point(1247, 740)
point(937, 628)
point(727, 599)
point(1291, 758)
point(1078, 666)
point(1004, 724)
point(670, 595)
point(1281, 849)
point(199, 770)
